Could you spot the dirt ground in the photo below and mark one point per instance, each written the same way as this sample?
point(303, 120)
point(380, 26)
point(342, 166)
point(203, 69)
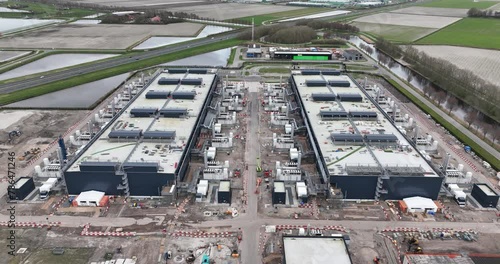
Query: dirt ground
point(38, 128)
point(227, 10)
point(408, 20)
point(105, 36)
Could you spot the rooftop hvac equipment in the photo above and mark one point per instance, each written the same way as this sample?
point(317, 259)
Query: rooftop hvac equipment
point(173, 112)
point(141, 166)
point(333, 114)
point(350, 97)
point(177, 70)
point(159, 134)
point(330, 72)
point(339, 83)
point(184, 95)
point(310, 72)
point(198, 71)
point(301, 189)
point(157, 94)
point(323, 97)
point(143, 112)
point(381, 138)
point(224, 186)
point(197, 81)
point(315, 83)
point(279, 187)
point(168, 81)
point(98, 166)
point(352, 138)
point(363, 114)
point(125, 134)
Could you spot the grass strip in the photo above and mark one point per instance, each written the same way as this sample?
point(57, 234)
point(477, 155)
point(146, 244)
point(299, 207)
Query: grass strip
point(274, 70)
point(231, 56)
point(94, 76)
point(490, 158)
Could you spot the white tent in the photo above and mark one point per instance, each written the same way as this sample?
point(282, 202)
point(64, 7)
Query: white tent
point(89, 198)
point(419, 204)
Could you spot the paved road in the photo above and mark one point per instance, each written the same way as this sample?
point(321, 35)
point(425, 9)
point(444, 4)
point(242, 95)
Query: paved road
point(111, 63)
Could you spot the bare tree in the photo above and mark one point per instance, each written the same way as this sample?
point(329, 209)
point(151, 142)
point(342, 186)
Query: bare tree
point(471, 117)
point(440, 97)
point(452, 103)
point(484, 128)
point(495, 132)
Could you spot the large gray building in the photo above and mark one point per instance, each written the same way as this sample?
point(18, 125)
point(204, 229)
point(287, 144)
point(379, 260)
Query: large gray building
point(358, 148)
point(144, 149)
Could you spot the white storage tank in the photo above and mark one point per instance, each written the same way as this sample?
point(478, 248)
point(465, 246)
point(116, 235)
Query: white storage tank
point(46, 161)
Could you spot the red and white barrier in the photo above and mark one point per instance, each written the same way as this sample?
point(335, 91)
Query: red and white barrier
point(85, 232)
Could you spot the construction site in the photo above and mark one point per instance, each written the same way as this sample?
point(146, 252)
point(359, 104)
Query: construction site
point(188, 166)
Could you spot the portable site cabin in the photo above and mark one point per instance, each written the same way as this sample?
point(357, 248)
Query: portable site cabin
point(418, 204)
point(91, 198)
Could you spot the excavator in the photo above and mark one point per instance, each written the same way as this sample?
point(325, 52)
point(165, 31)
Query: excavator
point(14, 133)
point(413, 246)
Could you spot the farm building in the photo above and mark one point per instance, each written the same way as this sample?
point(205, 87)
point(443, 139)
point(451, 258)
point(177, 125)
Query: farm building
point(254, 51)
point(352, 55)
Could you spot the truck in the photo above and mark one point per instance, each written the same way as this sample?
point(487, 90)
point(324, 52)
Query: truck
point(47, 187)
point(458, 194)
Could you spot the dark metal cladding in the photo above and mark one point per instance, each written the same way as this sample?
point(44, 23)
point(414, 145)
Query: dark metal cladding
point(184, 95)
point(485, 199)
point(347, 137)
point(173, 112)
point(333, 114)
point(125, 134)
point(98, 166)
point(315, 83)
point(140, 166)
point(339, 83)
point(310, 72)
point(143, 112)
point(157, 94)
point(363, 114)
point(350, 97)
point(18, 191)
point(330, 72)
point(198, 71)
point(323, 97)
point(159, 135)
point(278, 196)
point(381, 138)
point(197, 81)
point(168, 81)
point(177, 70)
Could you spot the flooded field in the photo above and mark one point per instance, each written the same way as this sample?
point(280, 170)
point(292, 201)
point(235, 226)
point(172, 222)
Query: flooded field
point(87, 22)
point(214, 59)
point(13, 24)
point(53, 62)
point(155, 42)
point(81, 96)
point(10, 55)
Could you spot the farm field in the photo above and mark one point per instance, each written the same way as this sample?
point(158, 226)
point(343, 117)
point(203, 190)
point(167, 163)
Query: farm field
point(258, 20)
point(140, 3)
point(102, 36)
point(469, 32)
point(460, 4)
point(484, 63)
point(235, 10)
point(432, 11)
point(393, 32)
point(408, 20)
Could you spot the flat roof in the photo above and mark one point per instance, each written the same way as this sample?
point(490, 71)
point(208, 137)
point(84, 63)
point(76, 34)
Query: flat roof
point(279, 186)
point(224, 186)
point(486, 189)
point(315, 250)
point(166, 153)
point(20, 182)
point(340, 155)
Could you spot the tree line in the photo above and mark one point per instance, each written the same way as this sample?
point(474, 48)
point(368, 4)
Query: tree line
point(335, 26)
point(462, 83)
point(475, 12)
point(166, 17)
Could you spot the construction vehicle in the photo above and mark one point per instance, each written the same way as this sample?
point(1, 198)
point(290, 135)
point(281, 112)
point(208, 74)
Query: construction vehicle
point(376, 260)
point(235, 254)
point(14, 133)
point(47, 187)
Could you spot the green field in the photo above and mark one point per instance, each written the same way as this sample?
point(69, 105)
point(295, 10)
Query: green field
point(469, 32)
point(393, 32)
point(45, 11)
point(258, 19)
point(459, 4)
point(94, 76)
point(275, 70)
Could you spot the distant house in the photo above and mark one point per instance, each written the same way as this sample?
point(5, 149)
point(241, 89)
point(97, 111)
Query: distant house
point(156, 19)
point(352, 54)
